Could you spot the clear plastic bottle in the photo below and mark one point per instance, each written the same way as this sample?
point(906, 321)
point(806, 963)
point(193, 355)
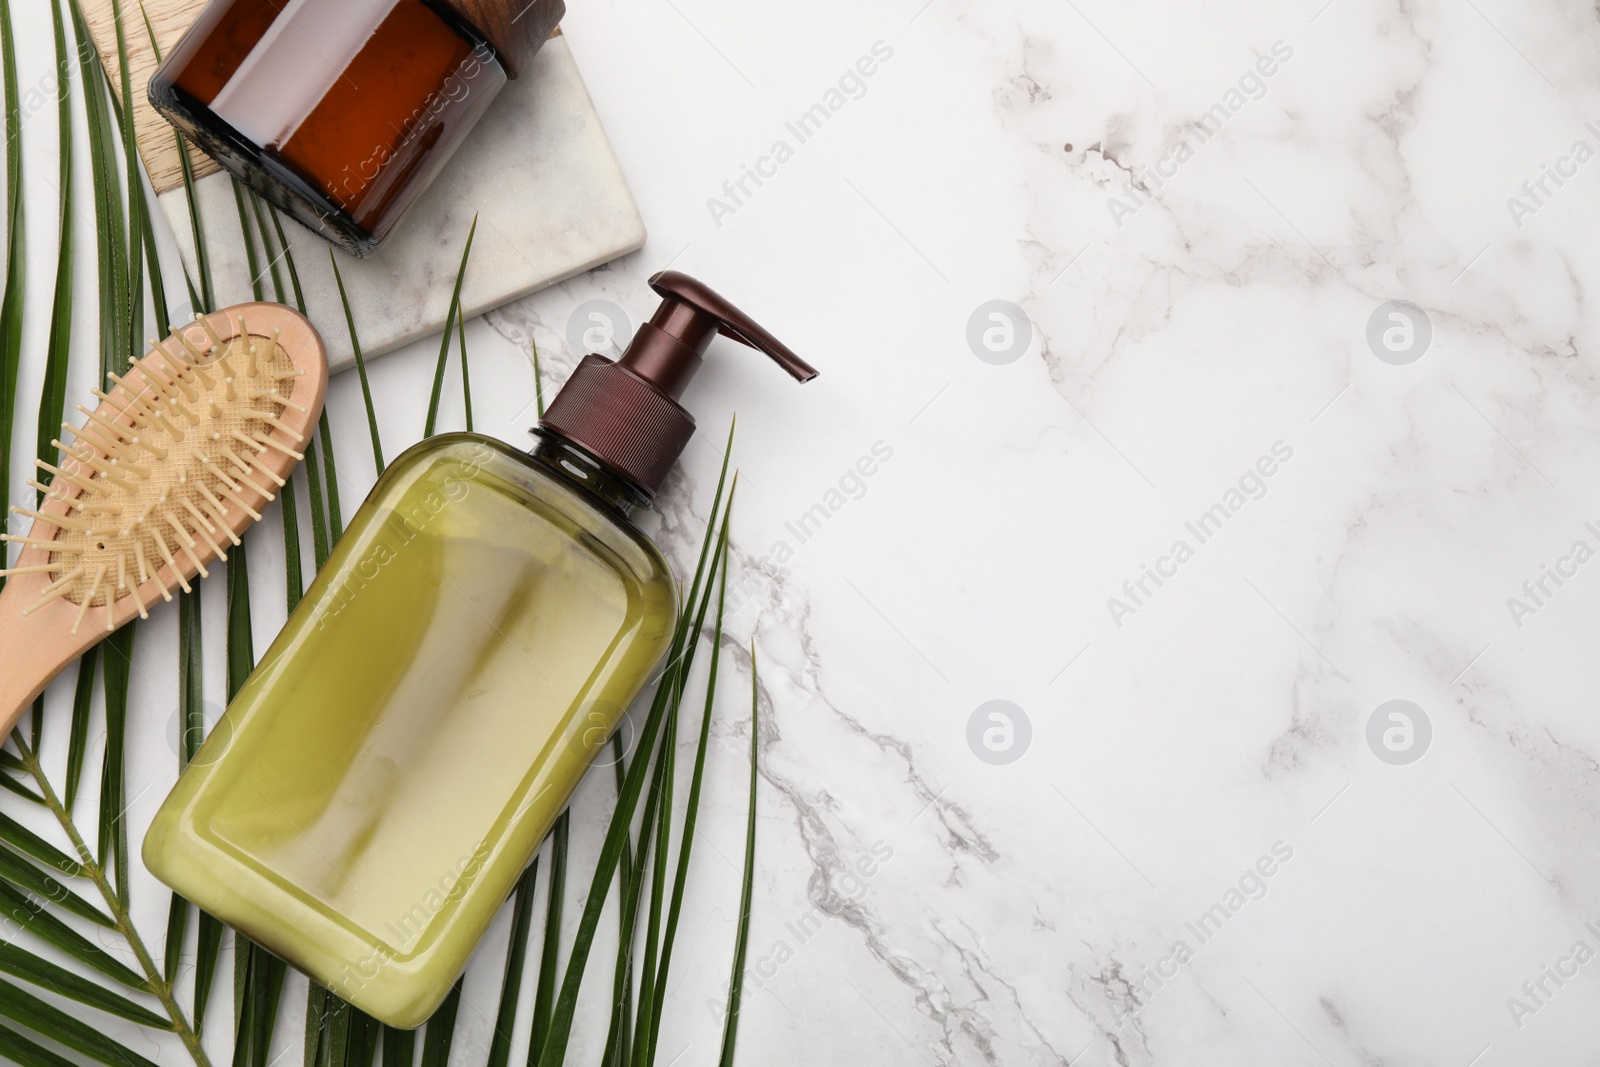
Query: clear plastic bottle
point(381, 780)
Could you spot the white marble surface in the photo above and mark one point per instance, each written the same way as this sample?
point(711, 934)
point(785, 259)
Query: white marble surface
point(1021, 904)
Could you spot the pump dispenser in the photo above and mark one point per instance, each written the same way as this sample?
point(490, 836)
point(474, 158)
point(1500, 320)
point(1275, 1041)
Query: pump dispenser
point(627, 413)
point(384, 776)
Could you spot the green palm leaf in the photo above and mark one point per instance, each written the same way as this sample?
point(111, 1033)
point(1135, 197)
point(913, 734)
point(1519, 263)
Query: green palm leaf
point(249, 242)
point(57, 979)
point(20, 1050)
point(666, 772)
point(53, 394)
point(49, 1021)
point(293, 577)
point(516, 957)
point(11, 301)
point(449, 325)
point(29, 843)
point(330, 469)
point(361, 363)
point(691, 812)
point(544, 992)
point(273, 257)
point(730, 1030)
point(116, 668)
point(78, 739)
point(29, 915)
point(336, 1037)
point(679, 655)
point(399, 1047)
point(441, 1033)
point(312, 465)
point(466, 373)
point(11, 785)
point(133, 300)
point(18, 872)
point(110, 230)
point(316, 1004)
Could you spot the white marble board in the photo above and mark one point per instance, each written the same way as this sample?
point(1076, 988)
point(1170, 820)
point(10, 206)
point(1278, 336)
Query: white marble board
point(538, 172)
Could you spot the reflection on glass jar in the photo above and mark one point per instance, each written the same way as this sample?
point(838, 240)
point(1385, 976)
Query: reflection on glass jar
point(341, 112)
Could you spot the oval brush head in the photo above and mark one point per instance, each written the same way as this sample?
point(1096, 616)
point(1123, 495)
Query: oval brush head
point(156, 483)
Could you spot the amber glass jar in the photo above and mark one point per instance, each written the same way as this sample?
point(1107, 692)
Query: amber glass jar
point(341, 112)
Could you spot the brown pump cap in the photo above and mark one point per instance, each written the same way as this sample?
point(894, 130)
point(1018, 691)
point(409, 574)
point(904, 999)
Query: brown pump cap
point(627, 413)
point(515, 29)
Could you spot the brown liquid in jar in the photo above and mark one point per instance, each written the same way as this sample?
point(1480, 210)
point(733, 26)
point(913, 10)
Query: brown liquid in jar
point(340, 111)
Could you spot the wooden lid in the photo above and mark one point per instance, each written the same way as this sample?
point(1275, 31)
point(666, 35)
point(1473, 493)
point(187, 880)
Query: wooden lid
point(516, 29)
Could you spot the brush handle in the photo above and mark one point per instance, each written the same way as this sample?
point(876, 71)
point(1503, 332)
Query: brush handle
point(33, 650)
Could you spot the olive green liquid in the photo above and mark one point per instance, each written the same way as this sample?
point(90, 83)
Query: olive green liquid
point(378, 785)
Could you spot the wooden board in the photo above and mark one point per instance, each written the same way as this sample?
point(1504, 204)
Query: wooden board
point(158, 144)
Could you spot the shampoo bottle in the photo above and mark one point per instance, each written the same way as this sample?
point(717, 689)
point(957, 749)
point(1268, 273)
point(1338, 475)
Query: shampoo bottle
point(374, 791)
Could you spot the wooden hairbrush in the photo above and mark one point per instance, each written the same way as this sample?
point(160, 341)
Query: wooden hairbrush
point(158, 482)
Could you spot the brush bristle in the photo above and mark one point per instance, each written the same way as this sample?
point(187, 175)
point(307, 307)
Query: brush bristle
point(160, 472)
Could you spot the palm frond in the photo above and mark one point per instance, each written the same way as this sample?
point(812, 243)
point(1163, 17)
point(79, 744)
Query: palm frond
point(666, 771)
point(361, 363)
point(40, 972)
point(132, 329)
point(399, 1047)
point(466, 373)
point(336, 1033)
point(110, 230)
point(241, 641)
point(441, 1032)
point(516, 958)
point(29, 879)
point(20, 1050)
point(197, 227)
point(11, 785)
point(49, 1021)
point(116, 669)
point(28, 843)
point(78, 737)
point(312, 465)
point(331, 471)
point(18, 872)
point(741, 945)
point(293, 570)
point(273, 257)
point(251, 258)
point(288, 260)
point(43, 924)
point(158, 285)
point(316, 1019)
point(53, 394)
point(263, 991)
point(11, 301)
point(692, 810)
point(538, 377)
point(679, 657)
point(449, 325)
point(545, 991)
